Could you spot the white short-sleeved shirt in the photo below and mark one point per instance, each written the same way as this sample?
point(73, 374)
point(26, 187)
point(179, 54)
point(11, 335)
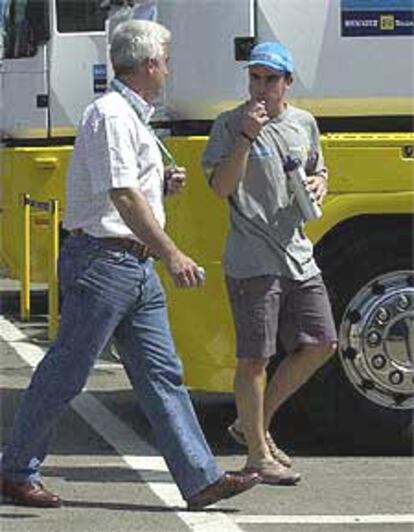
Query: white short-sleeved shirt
point(113, 149)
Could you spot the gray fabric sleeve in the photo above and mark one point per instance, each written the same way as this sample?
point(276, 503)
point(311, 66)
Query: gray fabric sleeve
point(218, 147)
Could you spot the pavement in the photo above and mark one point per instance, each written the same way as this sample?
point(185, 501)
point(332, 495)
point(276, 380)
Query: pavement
point(104, 463)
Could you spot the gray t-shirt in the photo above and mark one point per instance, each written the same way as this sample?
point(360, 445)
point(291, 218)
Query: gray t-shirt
point(266, 234)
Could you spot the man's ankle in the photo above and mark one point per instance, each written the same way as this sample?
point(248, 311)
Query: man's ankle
point(259, 457)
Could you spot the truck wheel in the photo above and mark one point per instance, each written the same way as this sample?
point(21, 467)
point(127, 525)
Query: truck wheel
point(365, 396)
point(376, 339)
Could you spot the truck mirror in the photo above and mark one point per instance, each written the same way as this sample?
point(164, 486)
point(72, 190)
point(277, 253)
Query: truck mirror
point(242, 47)
point(38, 17)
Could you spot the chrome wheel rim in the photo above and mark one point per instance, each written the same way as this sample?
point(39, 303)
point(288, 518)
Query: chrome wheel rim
point(376, 338)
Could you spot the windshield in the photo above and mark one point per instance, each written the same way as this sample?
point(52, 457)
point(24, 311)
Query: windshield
point(74, 16)
point(25, 26)
point(2, 22)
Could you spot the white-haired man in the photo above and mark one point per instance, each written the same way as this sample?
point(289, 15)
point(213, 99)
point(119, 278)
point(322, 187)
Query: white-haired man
point(115, 214)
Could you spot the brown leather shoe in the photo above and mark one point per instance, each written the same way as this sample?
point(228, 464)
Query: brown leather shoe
point(229, 485)
point(28, 494)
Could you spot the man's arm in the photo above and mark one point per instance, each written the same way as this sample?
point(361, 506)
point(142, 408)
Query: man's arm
point(227, 174)
point(138, 216)
point(317, 180)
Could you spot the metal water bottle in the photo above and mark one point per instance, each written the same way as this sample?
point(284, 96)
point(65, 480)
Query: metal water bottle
point(201, 272)
point(305, 198)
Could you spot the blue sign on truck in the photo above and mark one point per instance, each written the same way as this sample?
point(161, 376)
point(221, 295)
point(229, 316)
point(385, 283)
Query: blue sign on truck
point(377, 18)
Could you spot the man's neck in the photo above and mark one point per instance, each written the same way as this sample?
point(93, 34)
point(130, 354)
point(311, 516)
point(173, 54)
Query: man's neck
point(135, 84)
point(281, 108)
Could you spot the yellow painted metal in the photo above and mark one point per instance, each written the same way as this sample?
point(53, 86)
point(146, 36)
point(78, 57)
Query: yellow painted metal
point(391, 106)
point(52, 258)
point(369, 174)
point(340, 207)
point(25, 260)
point(200, 318)
point(39, 172)
point(369, 163)
point(53, 283)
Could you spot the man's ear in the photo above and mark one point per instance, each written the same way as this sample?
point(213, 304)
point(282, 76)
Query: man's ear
point(289, 80)
point(151, 64)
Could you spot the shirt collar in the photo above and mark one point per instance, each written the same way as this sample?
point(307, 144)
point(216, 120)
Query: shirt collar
point(143, 108)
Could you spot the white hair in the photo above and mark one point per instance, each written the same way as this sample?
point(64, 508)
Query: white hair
point(135, 41)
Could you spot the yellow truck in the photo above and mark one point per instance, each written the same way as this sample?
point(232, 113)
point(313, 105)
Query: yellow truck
point(354, 72)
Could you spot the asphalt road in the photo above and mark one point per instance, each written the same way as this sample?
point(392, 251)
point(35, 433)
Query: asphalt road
point(104, 464)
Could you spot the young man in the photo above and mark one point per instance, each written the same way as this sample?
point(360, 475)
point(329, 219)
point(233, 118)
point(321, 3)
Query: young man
point(116, 217)
point(274, 285)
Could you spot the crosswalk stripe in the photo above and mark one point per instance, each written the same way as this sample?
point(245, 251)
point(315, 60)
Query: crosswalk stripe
point(324, 519)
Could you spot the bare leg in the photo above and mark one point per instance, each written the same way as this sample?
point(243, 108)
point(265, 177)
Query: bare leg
point(294, 370)
point(249, 390)
point(249, 385)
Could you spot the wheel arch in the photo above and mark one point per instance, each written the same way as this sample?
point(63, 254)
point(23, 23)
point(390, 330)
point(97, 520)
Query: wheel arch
point(361, 228)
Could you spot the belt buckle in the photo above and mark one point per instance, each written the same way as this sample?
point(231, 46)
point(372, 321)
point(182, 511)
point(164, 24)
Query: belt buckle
point(145, 251)
point(140, 250)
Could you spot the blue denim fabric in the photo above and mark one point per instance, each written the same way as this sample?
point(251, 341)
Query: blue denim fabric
point(111, 293)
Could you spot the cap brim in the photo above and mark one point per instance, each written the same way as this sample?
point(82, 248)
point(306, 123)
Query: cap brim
point(281, 71)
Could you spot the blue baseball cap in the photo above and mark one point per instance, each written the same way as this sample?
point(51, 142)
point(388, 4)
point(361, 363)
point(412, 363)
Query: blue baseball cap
point(271, 55)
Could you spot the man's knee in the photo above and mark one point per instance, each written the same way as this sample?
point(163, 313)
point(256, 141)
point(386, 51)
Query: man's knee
point(328, 349)
point(251, 367)
point(323, 350)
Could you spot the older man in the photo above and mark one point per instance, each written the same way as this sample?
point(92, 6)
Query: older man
point(115, 214)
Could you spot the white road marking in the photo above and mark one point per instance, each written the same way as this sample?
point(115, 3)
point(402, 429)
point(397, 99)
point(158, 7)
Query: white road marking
point(124, 440)
point(107, 365)
point(324, 519)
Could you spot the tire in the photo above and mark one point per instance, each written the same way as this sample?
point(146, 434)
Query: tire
point(363, 399)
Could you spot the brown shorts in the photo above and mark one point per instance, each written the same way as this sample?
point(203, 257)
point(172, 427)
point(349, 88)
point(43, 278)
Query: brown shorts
point(268, 308)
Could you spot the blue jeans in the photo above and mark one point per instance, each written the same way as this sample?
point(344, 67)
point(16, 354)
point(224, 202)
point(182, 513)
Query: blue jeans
point(111, 293)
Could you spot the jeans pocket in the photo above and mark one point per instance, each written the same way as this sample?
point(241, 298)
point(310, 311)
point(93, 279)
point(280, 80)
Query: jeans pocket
point(72, 262)
point(111, 276)
point(110, 255)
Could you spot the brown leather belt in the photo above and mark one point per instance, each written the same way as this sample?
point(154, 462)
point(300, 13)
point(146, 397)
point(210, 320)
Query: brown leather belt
point(141, 251)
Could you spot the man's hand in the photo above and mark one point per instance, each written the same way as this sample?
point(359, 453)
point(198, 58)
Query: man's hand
point(175, 180)
point(254, 118)
point(137, 214)
point(183, 270)
point(319, 186)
